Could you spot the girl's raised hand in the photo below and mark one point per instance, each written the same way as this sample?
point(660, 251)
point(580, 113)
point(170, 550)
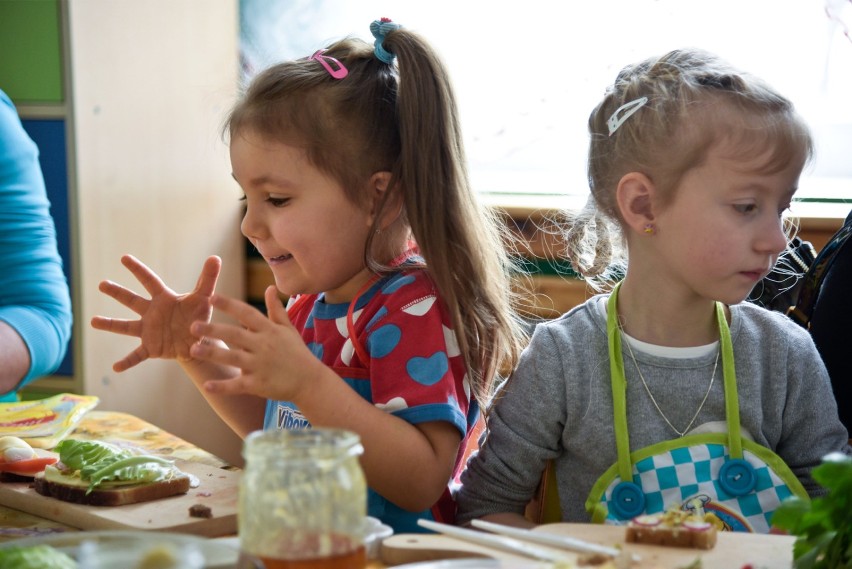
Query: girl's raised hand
point(164, 320)
point(273, 358)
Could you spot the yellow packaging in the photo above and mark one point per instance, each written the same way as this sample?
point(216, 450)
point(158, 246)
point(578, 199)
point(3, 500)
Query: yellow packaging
point(44, 423)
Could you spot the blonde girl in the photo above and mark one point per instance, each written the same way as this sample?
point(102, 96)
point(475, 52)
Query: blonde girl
point(400, 315)
point(669, 392)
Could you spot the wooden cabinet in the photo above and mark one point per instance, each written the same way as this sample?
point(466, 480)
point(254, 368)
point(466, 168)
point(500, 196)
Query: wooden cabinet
point(136, 93)
point(548, 287)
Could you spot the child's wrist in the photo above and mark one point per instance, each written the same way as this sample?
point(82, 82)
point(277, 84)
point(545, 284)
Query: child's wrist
point(315, 385)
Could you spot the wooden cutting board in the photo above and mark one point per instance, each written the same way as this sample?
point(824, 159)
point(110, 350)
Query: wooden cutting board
point(218, 489)
point(732, 551)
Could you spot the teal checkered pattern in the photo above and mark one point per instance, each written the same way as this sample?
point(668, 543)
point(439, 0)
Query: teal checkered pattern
point(674, 477)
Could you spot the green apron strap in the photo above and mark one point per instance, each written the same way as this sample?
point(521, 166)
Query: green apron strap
point(619, 387)
point(732, 402)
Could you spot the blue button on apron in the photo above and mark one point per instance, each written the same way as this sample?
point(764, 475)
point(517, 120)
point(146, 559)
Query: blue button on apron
point(737, 477)
point(628, 500)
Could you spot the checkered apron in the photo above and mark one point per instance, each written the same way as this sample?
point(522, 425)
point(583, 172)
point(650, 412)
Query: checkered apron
point(736, 479)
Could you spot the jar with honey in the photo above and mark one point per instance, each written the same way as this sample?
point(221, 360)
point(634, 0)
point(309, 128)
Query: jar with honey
point(303, 500)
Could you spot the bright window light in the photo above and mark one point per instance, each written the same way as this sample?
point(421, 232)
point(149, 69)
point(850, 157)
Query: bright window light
point(528, 74)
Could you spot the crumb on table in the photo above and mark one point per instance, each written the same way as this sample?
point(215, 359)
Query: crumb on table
point(200, 511)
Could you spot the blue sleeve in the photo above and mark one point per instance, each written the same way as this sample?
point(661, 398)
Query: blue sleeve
point(34, 295)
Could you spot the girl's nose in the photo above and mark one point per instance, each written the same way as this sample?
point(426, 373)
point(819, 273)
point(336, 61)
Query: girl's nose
point(250, 227)
point(773, 238)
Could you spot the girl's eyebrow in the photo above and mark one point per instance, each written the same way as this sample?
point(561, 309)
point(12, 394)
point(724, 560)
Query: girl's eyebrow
point(765, 188)
point(267, 181)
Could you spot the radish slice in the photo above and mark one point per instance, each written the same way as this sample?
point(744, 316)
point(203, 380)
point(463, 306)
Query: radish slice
point(694, 525)
point(647, 520)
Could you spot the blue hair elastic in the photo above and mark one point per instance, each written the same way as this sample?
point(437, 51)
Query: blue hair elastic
point(379, 29)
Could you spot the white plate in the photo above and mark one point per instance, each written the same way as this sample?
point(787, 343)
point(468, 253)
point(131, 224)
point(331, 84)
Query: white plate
point(374, 532)
point(124, 548)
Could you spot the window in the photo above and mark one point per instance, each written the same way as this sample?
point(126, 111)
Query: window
point(527, 74)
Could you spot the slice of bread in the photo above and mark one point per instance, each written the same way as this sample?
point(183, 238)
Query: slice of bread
point(117, 496)
point(10, 477)
point(660, 529)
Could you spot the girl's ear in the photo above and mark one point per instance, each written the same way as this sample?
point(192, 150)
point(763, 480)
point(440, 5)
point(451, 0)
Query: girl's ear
point(635, 196)
point(383, 202)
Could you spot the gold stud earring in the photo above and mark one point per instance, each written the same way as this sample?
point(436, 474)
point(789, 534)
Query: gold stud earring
point(649, 229)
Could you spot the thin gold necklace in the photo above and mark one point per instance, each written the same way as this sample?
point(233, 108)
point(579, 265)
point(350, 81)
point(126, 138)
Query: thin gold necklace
point(654, 401)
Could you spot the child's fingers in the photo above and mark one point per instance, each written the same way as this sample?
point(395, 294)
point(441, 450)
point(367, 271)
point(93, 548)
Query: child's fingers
point(244, 313)
point(124, 296)
point(135, 357)
point(146, 277)
point(237, 386)
point(216, 354)
point(234, 336)
point(209, 275)
point(117, 326)
point(274, 307)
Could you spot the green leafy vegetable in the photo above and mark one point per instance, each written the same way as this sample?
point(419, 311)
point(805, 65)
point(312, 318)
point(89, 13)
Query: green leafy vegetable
point(77, 454)
point(823, 526)
point(133, 469)
point(35, 557)
point(100, 462)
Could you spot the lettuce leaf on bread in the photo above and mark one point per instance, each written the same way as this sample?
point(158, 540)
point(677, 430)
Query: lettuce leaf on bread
point(100, 463)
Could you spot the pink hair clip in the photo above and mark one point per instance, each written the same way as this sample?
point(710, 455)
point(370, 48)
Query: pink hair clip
point(338, 72)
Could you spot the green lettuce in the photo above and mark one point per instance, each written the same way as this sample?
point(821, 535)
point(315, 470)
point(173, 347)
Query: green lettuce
point(100, 462)
point(76, 455)
point(35, 557)
point(131, 470)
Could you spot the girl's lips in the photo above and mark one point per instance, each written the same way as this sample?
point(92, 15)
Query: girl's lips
point(279, 259)
point(753, 275)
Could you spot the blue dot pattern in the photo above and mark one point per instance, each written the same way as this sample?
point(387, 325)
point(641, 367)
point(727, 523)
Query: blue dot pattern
point(383, 311)
point(428, 371)
point(397, 282)
point(384, 340)
point(316, 349)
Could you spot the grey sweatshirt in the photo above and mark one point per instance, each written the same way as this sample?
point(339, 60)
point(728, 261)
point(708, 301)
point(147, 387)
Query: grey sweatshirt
point(558, 405)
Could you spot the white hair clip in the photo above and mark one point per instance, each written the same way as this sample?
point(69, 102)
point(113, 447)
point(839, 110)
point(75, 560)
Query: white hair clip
point(625, 110)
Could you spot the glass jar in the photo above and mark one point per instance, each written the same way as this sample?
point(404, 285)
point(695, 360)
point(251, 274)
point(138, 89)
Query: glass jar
point(303, 499)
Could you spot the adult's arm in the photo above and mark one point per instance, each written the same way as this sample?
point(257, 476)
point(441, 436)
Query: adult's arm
point(35, 304)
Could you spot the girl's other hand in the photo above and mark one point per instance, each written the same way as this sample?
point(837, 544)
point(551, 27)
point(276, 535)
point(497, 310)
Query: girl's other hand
point(165, 319)
point(275, 362)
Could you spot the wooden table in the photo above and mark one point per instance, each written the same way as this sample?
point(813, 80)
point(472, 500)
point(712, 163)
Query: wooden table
point(732, 550)
point(115, 427)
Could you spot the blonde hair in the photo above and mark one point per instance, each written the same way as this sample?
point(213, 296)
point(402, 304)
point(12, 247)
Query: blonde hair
point(695, 101)
point(401, 117)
